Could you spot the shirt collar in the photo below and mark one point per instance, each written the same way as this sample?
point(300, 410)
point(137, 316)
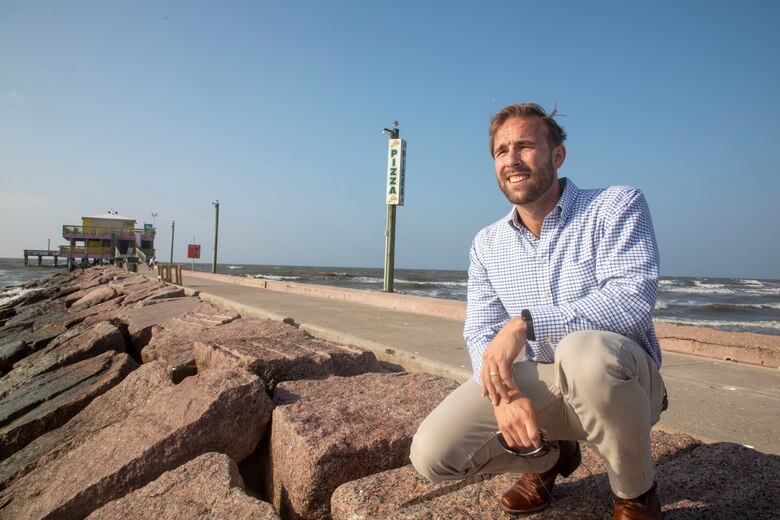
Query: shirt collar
point(563, 208)
point(569, 195)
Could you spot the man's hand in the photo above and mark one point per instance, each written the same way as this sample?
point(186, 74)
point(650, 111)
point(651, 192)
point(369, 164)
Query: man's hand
point(516, 419)
point(496, 372)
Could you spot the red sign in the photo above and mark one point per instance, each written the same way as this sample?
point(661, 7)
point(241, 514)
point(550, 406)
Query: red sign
point(193, 251)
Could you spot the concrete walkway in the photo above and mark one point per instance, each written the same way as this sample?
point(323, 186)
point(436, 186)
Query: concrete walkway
point(710, 399)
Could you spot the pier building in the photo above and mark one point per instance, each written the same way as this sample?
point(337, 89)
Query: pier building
point(108, 238)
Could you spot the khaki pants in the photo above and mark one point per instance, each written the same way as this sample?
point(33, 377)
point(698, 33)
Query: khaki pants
point(603, 388)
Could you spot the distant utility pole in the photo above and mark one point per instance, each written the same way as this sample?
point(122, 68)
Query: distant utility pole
point(396, 164)
point(216, 235)
point(173, 230)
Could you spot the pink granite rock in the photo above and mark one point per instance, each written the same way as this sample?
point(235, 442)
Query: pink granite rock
point(74, 346)
point(206, 487)
point(12, 352)
point(105, 311)
point(36, 325)
point(278, 352)
point(721, 480)
point(84, 283)
point(26, 316)
point(140, 320)
point(172, 342)
point(93, 297)
point(130, 284)
point(154, 291)
point(49, 400)
point(694, 481)
point(328, 432)
point(135, 391)
point(220, 410)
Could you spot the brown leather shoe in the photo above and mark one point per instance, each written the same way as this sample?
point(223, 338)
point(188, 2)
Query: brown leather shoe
point(643, 507)
point(531, 492)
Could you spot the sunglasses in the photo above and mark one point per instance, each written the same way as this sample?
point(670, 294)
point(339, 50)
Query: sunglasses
point(541, 451)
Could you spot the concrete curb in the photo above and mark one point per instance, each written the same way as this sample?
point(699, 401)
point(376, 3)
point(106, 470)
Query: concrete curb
point(392, 358)
point(438, 307)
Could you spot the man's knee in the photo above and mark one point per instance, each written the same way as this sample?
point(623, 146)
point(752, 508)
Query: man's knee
point(426, 454)
point(587, 354)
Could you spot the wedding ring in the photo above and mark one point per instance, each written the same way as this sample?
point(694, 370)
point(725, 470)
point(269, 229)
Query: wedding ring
point(494, 374)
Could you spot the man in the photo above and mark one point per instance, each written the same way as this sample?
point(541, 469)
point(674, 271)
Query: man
point(570, 276)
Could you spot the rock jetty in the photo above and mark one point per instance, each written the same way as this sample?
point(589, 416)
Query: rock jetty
point(123, 397)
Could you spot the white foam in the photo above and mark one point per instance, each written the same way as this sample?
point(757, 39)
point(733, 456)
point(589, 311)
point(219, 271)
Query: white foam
point(368, 279)
point(432, 282)
point(701, 289)
point(763, 291)
point(277, 278)
point(757, 305)
point(13, 294)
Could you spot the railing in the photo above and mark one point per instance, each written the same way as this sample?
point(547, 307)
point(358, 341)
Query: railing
point(88, 250)
point(169, 273)
point(41, 252)
point(97, 250)
point(92, 230)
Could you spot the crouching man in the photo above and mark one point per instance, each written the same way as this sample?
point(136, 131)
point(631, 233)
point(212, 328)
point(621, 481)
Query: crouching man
point(570, 275)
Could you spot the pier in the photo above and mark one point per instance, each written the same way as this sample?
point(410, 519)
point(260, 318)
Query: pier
point(40, 253)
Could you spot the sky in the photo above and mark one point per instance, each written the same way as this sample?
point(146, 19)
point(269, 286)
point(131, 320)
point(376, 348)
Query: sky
point(275, 108)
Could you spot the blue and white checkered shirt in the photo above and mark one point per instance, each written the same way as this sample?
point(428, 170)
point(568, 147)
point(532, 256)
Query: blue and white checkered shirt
point(594, 267)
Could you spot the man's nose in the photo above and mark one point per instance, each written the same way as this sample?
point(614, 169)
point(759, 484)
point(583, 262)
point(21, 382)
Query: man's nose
point(513, 157)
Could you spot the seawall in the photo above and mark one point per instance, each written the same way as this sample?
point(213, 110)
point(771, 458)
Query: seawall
point(740, 347)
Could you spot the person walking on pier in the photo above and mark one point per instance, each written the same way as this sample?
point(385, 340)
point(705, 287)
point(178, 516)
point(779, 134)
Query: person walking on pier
point(570, 277)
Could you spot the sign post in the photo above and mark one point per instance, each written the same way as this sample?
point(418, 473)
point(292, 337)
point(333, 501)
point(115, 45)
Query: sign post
point(193, 251)
point(216, 235)
point(394, 196)
point(173, 231)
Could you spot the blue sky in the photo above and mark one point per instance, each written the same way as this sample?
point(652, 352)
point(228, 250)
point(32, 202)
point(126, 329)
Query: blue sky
point(275, 108)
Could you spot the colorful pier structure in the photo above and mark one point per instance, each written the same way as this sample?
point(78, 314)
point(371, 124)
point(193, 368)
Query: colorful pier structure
point(108, 238)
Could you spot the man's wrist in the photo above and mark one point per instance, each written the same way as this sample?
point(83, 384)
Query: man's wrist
point(518, 327)
point(528, 320)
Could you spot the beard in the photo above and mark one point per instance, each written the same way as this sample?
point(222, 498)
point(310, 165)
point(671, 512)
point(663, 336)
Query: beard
point(537, 184)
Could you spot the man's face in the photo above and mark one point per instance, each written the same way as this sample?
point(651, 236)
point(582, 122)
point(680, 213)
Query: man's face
point(526, 167)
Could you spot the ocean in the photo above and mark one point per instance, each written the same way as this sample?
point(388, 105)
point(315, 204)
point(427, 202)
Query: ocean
point(732, 304)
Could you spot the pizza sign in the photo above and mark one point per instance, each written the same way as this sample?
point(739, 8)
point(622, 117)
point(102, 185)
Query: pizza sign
point(396, 165)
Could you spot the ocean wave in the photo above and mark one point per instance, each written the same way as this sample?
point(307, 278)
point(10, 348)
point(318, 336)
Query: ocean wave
point(277, 278)
point(700, 289)
point(429, 283)
point(764, 291)
point(13, 294)
point(661, 305)
point(368, 279)
point(235, 267)
point(766, 325)
point(775, 306)
point(329, 274)
point(753, 283)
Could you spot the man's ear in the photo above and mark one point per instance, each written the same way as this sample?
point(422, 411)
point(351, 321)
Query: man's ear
point(559, 155)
